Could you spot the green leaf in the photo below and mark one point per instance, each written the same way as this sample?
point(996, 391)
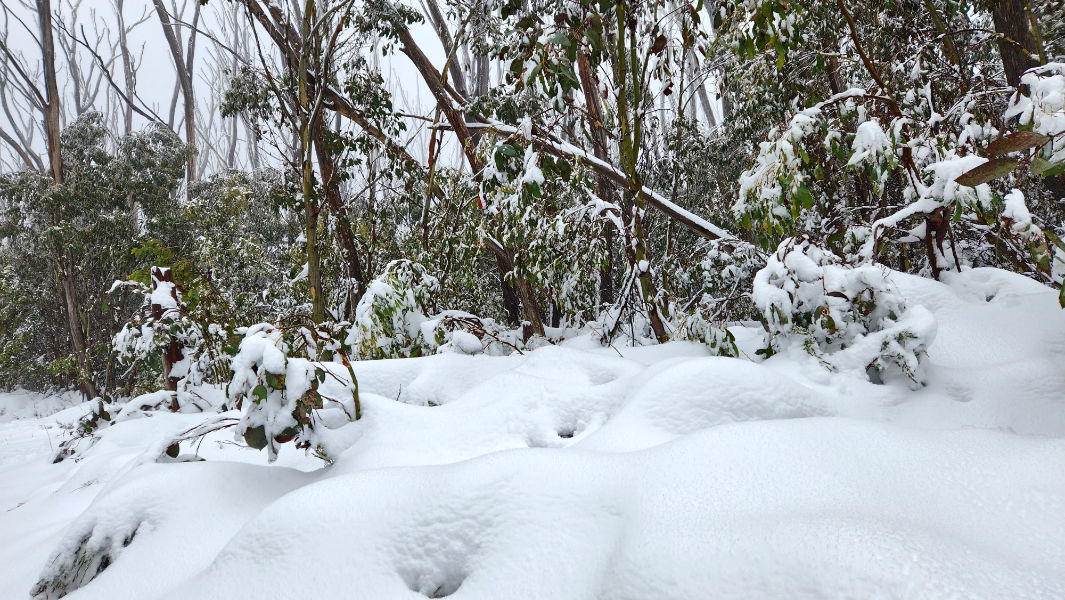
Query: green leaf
point(275, 381)
point(560, 39)
point(259, 392)
point(991, 170)
point(595, 40)
point(255, 437)
point(802, 195)
point(1041, 167)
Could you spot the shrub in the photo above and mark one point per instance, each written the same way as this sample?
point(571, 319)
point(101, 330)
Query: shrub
point(849, 317)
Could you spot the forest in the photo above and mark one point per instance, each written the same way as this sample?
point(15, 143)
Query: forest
point(230, 213)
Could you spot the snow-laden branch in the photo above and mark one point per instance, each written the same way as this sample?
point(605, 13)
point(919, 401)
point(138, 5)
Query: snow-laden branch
point(566, 150)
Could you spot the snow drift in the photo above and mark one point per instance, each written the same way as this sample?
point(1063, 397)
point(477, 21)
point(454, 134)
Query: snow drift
point(583, 472)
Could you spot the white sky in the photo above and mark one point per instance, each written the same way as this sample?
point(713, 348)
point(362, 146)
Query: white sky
point(156, 74)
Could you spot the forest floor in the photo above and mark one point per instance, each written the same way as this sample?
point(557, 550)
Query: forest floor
point(583, 472)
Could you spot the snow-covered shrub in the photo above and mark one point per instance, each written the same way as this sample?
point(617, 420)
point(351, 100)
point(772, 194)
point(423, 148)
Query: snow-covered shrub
point(279, 391)
point(698, 326)
point(164, 322)
point(464, 333)
point(389, 317)
point(1040, 105)
point(73, 567)
point(547, 211)
point(849, 317)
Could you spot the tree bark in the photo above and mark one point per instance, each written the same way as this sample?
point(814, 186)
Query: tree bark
point(1016, 43)
point(173, 353)
point(51, 108)
point(308, 122)
point(184, 76)
point(345, 232)
point(64, 264)
point(604, 187)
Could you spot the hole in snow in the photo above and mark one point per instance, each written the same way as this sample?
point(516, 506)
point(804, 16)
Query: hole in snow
point(566, 434)
point(438, 585)
point(874, 375)
point(129, 538)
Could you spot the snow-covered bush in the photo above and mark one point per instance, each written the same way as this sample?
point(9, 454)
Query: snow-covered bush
point(849, 317)
point(164, 324)
point(279, 391)
point(697, 326)
point(1039, 104)
point(389, 317)
point(394, 319)
point(465, 333)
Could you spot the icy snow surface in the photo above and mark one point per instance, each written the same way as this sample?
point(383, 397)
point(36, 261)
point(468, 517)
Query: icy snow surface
point(582, 472)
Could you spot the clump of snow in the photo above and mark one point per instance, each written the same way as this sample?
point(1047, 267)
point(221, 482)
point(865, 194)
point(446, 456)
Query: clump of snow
point(870, 142)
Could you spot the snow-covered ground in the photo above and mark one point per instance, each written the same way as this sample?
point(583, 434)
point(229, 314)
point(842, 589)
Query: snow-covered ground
point(581, 472)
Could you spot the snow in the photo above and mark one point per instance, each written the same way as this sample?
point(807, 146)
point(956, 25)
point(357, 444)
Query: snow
point(580, 472)
point(1043, 107)
point(870, 141)
point(1016, 211)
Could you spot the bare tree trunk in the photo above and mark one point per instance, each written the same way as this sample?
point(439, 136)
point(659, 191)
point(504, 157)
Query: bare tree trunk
point(308, 122)
point(454, 63)
point(64, 265)
point(51, 107)
point(127, 64)
point(692, 66)
point(184, 77)
point(72, 305)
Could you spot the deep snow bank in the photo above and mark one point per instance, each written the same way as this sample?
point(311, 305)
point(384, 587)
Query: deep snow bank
point(586, 472)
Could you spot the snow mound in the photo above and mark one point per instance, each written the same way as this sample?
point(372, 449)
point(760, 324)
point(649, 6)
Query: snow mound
point(694, 394)
point(583, 472)
point(26, 404)
point(762, 509)
point(165, 520)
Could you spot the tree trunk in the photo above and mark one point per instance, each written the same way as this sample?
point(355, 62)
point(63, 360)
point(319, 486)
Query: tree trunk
point(51, 108)
point(345, 233)
point(184, 77)
point(630, 126)
point(173, 353)
point(511, 305)
point(63, 263)
point(77, 332)
point(1016, 44)
point(604, 187)
point(443, 97)
point(310, 205)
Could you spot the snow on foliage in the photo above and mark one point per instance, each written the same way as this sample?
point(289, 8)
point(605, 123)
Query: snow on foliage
point(280, 393)
point(1042, 107)
point(851, 318)
point(390, 316)
point(394, 319)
